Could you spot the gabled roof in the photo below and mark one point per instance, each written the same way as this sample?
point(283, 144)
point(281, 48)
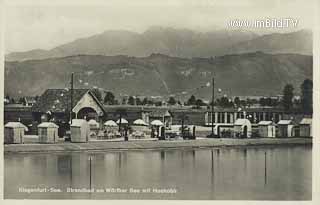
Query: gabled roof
point(16, 125)
point(285, 122)
point(58, 100)
point(241, 121)
point(265, 123)
point(306, 121)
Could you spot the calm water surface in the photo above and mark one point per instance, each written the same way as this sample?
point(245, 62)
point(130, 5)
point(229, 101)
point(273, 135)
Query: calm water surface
point(256, 173)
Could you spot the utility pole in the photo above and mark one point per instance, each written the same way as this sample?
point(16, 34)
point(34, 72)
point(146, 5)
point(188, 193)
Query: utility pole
point(71, 97)
point(212, 109)
point(90, 179)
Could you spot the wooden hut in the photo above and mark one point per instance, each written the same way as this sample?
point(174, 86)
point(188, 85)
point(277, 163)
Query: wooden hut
point(306, 127)
point(48, 132)
point(14, 133)
point(266, 129)
point(80, 130)
point(242, 128)
point(285, 128)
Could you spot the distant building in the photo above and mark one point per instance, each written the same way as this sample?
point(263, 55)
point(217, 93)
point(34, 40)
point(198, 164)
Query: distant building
point(266, 129)
point(285, 128)
point(254, 115)
point(305, 126)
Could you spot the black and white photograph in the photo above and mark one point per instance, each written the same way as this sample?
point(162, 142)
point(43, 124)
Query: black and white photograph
point(158, 100)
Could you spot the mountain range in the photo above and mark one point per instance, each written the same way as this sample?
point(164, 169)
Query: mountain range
point(182, 43)
point(255, 73)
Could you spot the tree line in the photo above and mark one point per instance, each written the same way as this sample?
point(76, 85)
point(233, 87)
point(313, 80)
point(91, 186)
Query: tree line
point(288, 102)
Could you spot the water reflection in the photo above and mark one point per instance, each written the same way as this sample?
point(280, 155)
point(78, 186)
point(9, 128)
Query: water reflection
point(281, 173)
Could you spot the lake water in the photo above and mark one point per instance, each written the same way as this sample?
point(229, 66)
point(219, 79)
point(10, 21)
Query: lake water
point(255, 173)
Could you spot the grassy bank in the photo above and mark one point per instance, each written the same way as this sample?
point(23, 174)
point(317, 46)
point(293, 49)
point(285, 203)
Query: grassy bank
point(147, 144)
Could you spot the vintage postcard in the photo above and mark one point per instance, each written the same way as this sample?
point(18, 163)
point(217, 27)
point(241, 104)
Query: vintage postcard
point(159, 100)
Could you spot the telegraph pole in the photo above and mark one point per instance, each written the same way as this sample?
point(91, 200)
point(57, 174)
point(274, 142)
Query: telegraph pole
point(212, 109)
point(71, 97)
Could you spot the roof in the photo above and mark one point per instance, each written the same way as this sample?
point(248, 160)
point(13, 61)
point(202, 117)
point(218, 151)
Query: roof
point(78, 122)
point(157, 123)
point(242, 122)
point(285, 122)
point(16, 125)
point(123, 121)
point(265, 123)
point(306, 121)
point(58, 100)
point(160, 113)
point(139, 122)
point(111, 123)
point(93, 122)
point(48, 124)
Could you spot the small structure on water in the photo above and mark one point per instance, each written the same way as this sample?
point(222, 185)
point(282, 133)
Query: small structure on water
point(306, 127)
point(285, 128)
point(266, 129)
point(80, 130)
point(14, 133)
point(48, 132)
point(242, 128)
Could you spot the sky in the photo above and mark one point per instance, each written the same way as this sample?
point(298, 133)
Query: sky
point(44, 25)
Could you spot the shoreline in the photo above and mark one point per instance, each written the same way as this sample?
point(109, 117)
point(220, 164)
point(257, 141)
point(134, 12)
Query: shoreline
point(96, 146)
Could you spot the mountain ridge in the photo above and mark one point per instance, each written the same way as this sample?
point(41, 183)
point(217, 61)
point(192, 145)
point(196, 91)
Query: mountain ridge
point(255, 73)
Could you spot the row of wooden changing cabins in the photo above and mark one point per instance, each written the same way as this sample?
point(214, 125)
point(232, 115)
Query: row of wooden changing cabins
point(47, 132)
point(80, 130)
point(284, 128)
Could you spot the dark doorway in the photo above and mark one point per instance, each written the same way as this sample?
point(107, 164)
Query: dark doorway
point(245, 131)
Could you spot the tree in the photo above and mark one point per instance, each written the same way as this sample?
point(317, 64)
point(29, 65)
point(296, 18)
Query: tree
point(12, 101)
point(306, 96)
point(172, 101)
point(21, 100)
point(191, 100)
point(224, 102)
point(109, 99)
point(145, 101)
point(287, 97)
point(96, 92)
point(237, 101)
point(138, 101)
point(158, 103)
point(262, 101)
point(124, 101)
point(131, 100)
point(199, 103)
